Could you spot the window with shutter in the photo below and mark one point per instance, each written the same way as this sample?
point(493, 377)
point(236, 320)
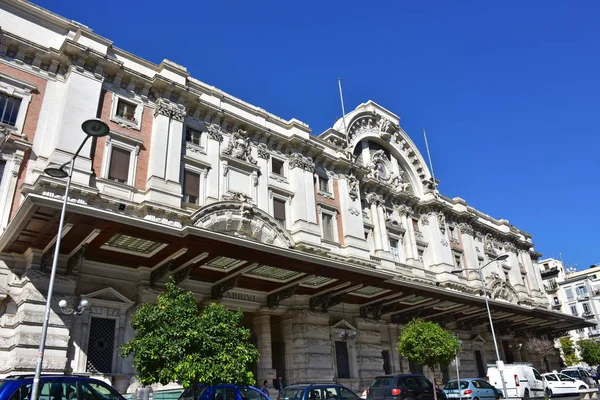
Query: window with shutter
point(279, 211)
point(9, 109)
point(327, 227)
point(191, 187)
point(119, 165)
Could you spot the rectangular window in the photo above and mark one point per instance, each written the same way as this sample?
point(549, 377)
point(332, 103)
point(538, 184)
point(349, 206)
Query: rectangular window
point(9, 109)
point(586, 308)
point(101, 345)
point(126, 110)
point(119, 165)
point(569, 293)
point(546, 267)
point(328, 227)
point(323, 184)
point(573, 310)
point(193, 136)
point(279, 211)
point(453, 234)
point(191, 187)
point(387, 369)
point(394, 249)
point(420, 253)
point(458, 261)
point(2, 166)
point(556, 301)
point(342, 360)
point(581, 290)
point(415, 223)
point(506, 278)
point(277, 166)
point(479, 362)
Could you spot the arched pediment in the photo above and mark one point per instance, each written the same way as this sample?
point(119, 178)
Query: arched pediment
point(239, 217)
point(371, 122)
point(502, 290)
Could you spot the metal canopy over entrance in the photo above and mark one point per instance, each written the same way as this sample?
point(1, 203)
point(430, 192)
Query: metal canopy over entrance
point(227, 262)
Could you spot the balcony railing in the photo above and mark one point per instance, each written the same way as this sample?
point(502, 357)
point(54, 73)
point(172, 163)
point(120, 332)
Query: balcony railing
point(556, 306)
point(594, 332)
point(583, 296)
point(587, 315)
point(551, 287)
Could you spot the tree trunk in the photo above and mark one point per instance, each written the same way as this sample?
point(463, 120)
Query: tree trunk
point(433, 381)
point(195, 390)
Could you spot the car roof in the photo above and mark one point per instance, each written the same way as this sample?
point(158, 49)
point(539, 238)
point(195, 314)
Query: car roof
point(307, 385)
point(466, 379)
point(397, 375)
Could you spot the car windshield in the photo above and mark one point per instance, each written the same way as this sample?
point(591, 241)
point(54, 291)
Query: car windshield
point(188, 393)
point(453, 385)
point(291, 394)
point(572, 374)
point(383, 381)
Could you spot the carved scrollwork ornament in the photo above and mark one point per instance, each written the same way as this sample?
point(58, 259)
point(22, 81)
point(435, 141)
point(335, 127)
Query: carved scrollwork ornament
point(466, 228)
point(297, 160)
point(374, 198)
point(403, 209)
point(263, 151)
point(239, 147)
point(214, 132)
point(168, 109)
point(352, 187)
point(424, 220)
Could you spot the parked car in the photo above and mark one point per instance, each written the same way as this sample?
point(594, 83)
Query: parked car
point(581, 374)
point(471, 388)
point(557, 383)
point(401, 387)
point(224, 391)
point(66, 387)
point(317, 391)
point(522, 381)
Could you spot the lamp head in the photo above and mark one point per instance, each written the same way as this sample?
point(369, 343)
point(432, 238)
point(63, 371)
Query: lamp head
point(84, 303)
point(502, 257)
point(56, 172)
point(95, 127)
point(62, 303)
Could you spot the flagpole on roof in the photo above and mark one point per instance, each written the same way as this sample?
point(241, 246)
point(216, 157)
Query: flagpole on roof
point(429, 156)
point(343, 111)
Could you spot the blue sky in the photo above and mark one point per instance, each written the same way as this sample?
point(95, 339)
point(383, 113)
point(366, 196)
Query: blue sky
point(508, 91)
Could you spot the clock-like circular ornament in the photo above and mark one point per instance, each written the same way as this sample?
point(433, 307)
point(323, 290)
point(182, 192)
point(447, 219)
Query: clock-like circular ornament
point(383, 171)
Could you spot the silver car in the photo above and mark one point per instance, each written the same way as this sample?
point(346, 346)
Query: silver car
point(471, 389)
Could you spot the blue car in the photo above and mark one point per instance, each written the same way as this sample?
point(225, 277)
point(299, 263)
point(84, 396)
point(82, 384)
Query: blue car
point(471, 389)
point(57, 387)
point(224, 391)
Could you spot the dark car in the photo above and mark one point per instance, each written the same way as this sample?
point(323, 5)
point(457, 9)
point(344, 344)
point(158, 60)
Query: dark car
point(57, 387)
point(317, 391)
point(224, 391)
point(401, 387)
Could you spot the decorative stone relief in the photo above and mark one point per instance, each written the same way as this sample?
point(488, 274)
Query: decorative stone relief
point(403, 209)
point(352, 187)
point(168, 109)
point(263, 151)
point(214, 132)
point(466, 228)
point(424, 220)
point(442, 223)
point(374, 198)
point(354, 211)
point(239, 147)
point(298, 160)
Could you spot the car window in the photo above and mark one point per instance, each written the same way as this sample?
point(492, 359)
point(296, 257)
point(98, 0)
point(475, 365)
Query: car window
point(97, 391)
point(188, 394)
point(551, 378)
point(347, 394)
point(572, 374)
point(291, 394)
point(249, 394)
point(477, 384)
point(536, 374)
point(410, 382)
point(565, 378)
point(22, 393)
point(424, 382)
point(329, 393)
point(381, 382)
point(584, 373)
point(452, 385)
point(485, 384)
point(224, 393)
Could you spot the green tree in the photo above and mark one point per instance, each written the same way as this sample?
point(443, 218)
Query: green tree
point(426, 342)
point(174, 342)
point(589, 351)
point(568, 350)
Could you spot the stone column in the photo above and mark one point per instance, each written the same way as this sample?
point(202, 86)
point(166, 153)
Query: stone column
point(394, 356)
point(263, 180)
point(373, 199)
point(469, 246)
point(382, 228)
point(262, 329)
point(308, 347)
point(352, 218)
point(410, 246)
point(369, 357)
point(215, 140)
point(303, 210)
point(164, 164)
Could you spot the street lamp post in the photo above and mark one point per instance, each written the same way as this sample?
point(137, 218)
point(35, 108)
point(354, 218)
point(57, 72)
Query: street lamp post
point(92, 128)
point(499, 363)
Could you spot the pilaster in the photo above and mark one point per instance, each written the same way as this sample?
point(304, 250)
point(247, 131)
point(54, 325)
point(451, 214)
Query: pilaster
point(262, 329)
point(303, 210)
point(351, 214)
point(368, 356)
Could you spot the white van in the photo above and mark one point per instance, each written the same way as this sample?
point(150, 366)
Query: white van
point(522, 381)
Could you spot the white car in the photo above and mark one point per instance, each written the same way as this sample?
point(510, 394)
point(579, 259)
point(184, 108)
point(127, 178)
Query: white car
point(557, 383)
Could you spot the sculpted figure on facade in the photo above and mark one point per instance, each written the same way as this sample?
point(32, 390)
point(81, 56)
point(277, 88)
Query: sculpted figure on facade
point(239, 147)
point(214, 132)
point(352, 187)
point(378, 168)
point(263, 151)
point(442, 222)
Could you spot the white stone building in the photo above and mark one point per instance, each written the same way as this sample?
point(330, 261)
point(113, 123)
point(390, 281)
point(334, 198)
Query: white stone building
point(576, 293)
point(328, 243)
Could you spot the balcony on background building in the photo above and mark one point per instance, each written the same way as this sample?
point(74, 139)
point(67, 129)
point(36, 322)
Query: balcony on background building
point(587, 315)
point(583, 296)
point(551, 287)
point(556, 305)
point(594, 332)
point(549, 273)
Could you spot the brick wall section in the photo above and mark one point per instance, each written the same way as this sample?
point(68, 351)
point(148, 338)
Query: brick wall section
point(31, 121)
point(144, 135)
point(335, 203)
